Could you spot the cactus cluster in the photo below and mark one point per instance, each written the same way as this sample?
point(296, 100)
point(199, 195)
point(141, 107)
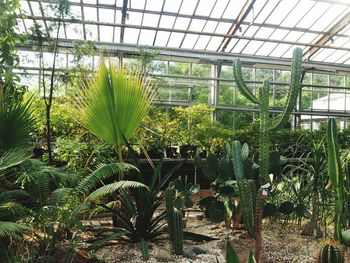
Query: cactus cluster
point(174, 220)
point(330, 252)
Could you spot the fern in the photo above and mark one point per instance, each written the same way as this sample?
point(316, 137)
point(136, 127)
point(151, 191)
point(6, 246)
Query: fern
point(11, 229)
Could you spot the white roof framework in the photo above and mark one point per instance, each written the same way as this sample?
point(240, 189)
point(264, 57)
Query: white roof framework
point(265, 28)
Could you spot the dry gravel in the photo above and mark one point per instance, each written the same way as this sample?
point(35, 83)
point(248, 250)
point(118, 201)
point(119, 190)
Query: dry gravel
point(278, 247)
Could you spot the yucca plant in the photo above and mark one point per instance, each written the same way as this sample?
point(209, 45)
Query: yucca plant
point(114, 103)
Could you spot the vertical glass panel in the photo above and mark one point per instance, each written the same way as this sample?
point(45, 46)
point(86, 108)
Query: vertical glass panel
point(200, 94)
point(201, 70)
point(225, 94)
point(179, 68)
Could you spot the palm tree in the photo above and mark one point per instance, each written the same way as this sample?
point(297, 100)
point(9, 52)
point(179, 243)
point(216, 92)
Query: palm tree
point(114, 103)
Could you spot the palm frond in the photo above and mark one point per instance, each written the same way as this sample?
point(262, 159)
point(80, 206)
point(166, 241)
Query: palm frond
point(14, 195)
point(13, 157)
point(11, 229)
point(103, 172)
point(113, 187)
point(12, 211)
point(59, 196)
point(115, 103)
point(16, 123)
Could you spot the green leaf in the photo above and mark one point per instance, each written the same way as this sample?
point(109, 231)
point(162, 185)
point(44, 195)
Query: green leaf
point(231, 256)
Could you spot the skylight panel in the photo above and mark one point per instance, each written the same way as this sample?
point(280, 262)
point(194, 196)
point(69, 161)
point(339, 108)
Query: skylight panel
point(279, 50)
point(279, 34)
point(281, 11)
point(74, 31)
point(204, 7)
point(131, 35)
point(35, 8)
point(264, 32)
point(343, 59)
point(106, 15)
point(90, 14)
point(175, 39)
point(252, 47)
point(162, 38)
point(150, 20)
point(257, 8)
point(293, 36)
point(202, 42)
point(76, 12)
point(154, 5)
point(340, 41)
point(188, 7)
point(223, 28)
point(266, 49)
point(167, 21)
point(335, 56)
point(214, 43)
point(289, 52)
point(91, 32)
point(230, 45)
point(139, 4)
point(106, 33)
point(240, 45)
point(116, 34)
point(182, 23)
point(134, 19)
point(322, 54)
point(28, 58)
point(90, 2)
point(210, 26)
point(24, 7)
point(268, 7)
point(20, 28)
point(146, 37)
point(189, 41)
point(297, 13)
point(197, 25)
point(313, 15)
point(28, 23)
point(233, 9)
point(172, 5)
point(307, 38)
point(328, 18)
point(219, 8)
point(106, 2)
point(251, 31)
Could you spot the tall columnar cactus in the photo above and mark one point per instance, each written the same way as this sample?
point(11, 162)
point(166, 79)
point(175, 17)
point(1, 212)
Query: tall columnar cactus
point(266, 124)
point(335, 175)
point(177, 239)
point(330, 252)
point(169, 203)
point(246, 188)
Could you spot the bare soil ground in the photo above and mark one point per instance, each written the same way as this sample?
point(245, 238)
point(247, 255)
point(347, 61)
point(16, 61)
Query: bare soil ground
point(279, 246)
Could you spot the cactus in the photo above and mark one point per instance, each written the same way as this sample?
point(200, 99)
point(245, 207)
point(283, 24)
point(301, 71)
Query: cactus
point(330, 252)
point(247, 194)
point(169, 203)
point(246, 189)
point(177, 229)
point(335, 175)
point(268, 125)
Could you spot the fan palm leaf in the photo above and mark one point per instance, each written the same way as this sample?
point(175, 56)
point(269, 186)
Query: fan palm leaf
point(16, 123)
point(115, 102)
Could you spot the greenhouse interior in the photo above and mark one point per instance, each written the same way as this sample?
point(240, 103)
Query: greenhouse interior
point(174, 131)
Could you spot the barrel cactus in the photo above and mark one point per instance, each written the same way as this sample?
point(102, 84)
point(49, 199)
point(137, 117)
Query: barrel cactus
point(330, 252)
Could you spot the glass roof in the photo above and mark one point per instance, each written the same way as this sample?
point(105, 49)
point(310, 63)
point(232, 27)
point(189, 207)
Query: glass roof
point(271, 28)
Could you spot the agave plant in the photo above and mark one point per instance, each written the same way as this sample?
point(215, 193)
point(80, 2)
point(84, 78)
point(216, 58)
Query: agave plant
point(141, 225)
point(114, 103)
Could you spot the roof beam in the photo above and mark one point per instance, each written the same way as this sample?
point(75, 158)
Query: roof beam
point(341, 24)
point(235, 26)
